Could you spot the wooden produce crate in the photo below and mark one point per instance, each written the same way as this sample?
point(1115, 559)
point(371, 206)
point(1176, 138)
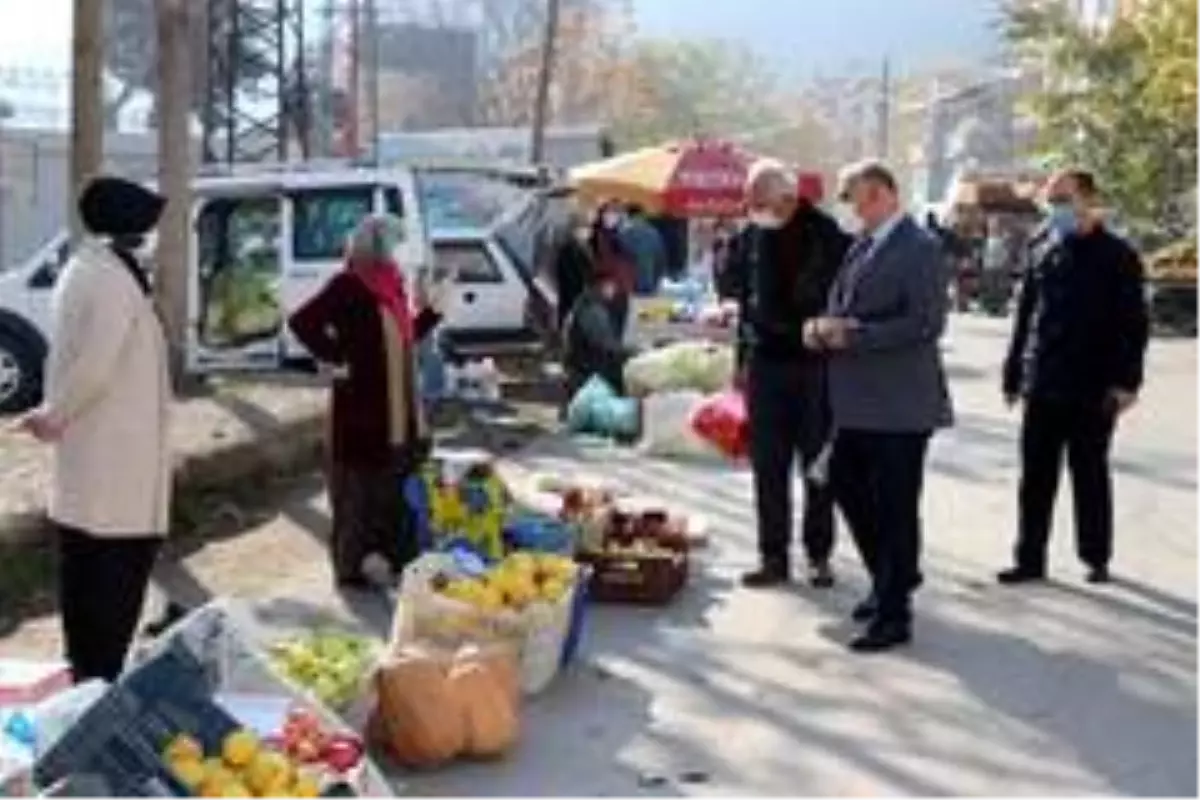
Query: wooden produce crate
point(645, 561)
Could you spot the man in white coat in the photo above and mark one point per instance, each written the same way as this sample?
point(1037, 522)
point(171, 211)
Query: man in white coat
point(105, 414)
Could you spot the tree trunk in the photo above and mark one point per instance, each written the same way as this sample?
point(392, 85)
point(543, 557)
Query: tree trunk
point(87, 100)
point(174, 169)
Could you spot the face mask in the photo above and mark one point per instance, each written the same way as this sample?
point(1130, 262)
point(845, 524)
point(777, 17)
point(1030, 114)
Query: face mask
point(610, 219)
point(1062, 218)
point(765, 220)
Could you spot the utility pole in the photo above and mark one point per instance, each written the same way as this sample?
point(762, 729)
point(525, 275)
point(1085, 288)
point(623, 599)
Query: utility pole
point(541, 108)
point(174, 166)
point(372, 88)
point(87, 100)
point(885, 108)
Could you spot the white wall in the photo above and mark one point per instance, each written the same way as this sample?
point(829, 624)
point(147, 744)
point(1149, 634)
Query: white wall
point(34, 192)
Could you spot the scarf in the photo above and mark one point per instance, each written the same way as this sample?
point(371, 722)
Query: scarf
point(386, 284)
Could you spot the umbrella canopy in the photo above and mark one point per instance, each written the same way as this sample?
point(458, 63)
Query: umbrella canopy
point(685, 179)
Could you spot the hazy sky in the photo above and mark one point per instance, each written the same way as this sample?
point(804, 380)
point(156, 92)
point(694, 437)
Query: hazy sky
point(802, 36)
point(833, 36)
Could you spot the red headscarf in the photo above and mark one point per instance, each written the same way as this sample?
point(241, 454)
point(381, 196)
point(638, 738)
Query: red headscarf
point(368, 256)
point(386, 283)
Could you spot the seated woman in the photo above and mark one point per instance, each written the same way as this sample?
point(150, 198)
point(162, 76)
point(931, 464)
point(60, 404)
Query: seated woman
point(365, 326)
point(591, 345)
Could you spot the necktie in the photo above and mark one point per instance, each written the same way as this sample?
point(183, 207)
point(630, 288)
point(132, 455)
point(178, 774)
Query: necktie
point(856, 256)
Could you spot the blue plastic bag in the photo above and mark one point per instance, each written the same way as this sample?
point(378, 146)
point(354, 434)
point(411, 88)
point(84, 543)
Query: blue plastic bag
point(596, 408)
point(540, 534)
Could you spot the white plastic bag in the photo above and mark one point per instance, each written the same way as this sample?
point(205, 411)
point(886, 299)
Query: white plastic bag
point(696, 365)
point(666, 428)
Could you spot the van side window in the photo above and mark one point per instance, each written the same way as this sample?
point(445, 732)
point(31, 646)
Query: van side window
point(393, 203)
point(47, 273)
point(239, 269)
point(469, 260)
point(323, 218)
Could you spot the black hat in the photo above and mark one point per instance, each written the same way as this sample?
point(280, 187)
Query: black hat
point(119, 208)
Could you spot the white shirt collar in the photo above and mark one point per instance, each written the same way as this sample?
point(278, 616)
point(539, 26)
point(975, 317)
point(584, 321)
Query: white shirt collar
point(880, 234)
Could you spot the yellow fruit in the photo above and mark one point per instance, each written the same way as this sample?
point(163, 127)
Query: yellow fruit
point(232, 791)
point(266, 771)
point(553, 590)
point(215, 770)
point(306, 786)
point(183, 748)
point(189, 771)
point(239, 748)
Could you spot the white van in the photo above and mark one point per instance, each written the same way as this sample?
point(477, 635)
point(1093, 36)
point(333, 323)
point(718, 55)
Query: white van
point(263, 242)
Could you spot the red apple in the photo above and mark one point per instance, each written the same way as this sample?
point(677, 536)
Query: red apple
point(342, 753)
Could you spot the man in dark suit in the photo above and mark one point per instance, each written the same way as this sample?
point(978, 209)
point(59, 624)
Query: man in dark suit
point(1076, 359)
point(788, 261)
point(887, 391)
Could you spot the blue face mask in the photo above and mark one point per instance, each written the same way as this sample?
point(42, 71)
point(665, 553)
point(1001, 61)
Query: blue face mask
point(1062, 218)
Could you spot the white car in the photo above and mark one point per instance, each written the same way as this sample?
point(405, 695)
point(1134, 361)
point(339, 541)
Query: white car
point(263, 242)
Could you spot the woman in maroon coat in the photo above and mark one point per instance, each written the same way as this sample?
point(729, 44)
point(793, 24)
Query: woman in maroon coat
point(361, 323)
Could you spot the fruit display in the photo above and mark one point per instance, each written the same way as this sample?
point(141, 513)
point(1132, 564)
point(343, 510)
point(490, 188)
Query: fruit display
point(473, 508)
point(520, 580)
point(305, 740)
point(331, 665)
point(640, 558)
point(435, 706)
point(244, 767)
point(1175, 263)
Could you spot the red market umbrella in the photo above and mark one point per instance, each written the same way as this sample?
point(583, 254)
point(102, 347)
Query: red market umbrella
point(685, 179)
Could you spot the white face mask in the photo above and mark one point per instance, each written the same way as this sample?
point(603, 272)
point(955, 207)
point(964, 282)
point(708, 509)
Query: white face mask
point(765, 220)
point(611, 219)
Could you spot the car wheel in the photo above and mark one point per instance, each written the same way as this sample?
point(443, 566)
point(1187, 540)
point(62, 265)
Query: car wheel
point(20, 374)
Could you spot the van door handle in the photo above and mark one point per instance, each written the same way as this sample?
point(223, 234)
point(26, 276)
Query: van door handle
point(469, 297)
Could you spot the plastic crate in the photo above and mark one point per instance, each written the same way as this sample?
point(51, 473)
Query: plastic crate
point(121, 738)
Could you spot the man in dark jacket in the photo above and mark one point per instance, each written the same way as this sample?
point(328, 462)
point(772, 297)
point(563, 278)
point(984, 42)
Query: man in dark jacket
point(1076, 360)
point(792, 255)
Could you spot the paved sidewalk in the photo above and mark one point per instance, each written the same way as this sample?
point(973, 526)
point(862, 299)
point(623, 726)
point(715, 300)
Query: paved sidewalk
point(1061, 689)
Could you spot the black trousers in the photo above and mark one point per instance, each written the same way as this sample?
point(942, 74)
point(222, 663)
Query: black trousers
point(1083, 430)
point(877, 478)
point(102, 585)
point(789, 418)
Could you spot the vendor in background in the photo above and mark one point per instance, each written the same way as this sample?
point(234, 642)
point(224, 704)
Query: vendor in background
point(610, 256)
point(996, 267)
point(592, 345)
point(363, 326)
point(645, 246)
point(572, 263)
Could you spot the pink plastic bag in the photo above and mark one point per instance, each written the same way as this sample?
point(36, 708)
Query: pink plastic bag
point(722, 420)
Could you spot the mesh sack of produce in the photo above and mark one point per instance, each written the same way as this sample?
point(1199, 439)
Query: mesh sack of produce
point(695, 365)
point(442, 604)
point(425, 613)
point(723, 421)
point(667, 430)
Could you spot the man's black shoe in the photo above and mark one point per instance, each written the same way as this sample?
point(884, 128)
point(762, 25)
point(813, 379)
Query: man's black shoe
point(766, 577)
point(866, 610)
point(880, 638)
point(820, 575)
point(1099, 575)
point(1017, 575)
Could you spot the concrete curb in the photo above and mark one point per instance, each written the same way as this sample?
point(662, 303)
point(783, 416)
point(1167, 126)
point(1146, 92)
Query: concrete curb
point(289, 446)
